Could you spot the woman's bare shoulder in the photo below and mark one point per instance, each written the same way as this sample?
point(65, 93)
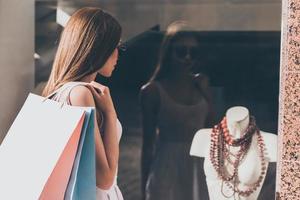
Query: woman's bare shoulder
point(82, 96)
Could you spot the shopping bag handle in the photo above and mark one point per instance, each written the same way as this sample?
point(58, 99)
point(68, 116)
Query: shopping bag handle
point(70, 86)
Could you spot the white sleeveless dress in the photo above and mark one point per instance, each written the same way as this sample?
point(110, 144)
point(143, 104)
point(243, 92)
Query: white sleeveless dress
point(63, 95)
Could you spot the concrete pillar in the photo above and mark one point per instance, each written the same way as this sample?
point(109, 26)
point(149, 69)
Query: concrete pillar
point(16, 58)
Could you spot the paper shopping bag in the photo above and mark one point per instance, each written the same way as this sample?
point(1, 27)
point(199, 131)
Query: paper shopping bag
point(82, 183)
point(34, 145)
point(57, 182)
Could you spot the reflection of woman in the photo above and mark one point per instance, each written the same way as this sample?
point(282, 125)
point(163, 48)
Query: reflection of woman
point(88, 46)
point(175, 104)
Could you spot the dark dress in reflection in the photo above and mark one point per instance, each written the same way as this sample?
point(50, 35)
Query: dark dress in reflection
point(174, 174)
point(268, 189)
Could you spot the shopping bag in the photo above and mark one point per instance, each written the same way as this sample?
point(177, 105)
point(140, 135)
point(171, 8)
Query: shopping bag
point(56, 184)
point(33, 147)
point(82, 183)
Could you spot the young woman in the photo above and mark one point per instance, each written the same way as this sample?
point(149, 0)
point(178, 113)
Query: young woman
point(175, 104)
point(89, 45)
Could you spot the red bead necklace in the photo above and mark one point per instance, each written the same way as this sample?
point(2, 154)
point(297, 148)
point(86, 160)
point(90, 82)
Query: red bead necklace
point(220, 154)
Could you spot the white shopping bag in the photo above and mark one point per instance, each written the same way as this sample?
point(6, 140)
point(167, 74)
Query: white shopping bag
point(33, 146)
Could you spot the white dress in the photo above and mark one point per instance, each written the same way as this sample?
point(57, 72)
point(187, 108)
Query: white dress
point(114, 192)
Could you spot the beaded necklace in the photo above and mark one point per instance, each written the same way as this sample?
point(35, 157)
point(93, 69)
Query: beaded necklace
point(220, 153)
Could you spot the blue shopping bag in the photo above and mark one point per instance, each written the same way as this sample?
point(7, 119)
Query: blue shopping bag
point(82, 183)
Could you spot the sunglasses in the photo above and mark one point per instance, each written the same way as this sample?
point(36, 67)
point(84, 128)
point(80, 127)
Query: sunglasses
point(182, 51)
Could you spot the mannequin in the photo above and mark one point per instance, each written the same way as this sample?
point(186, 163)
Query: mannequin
point(249, 169)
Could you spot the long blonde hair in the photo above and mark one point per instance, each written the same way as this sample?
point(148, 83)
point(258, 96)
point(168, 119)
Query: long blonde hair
point(87, 41)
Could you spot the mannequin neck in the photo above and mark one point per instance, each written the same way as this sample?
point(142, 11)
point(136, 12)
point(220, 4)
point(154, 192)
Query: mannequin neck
point(237, 121)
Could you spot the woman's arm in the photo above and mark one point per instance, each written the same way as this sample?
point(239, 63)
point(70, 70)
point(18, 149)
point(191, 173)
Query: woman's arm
point(106, 147)
point(149, 98)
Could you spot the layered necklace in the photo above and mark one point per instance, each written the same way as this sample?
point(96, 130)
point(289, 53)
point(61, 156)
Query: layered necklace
point(224, 160)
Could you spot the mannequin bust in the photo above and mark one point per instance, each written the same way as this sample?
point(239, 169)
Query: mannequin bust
point(249, 169)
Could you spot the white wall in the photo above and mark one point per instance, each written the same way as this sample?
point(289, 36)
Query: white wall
point(16, 58)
